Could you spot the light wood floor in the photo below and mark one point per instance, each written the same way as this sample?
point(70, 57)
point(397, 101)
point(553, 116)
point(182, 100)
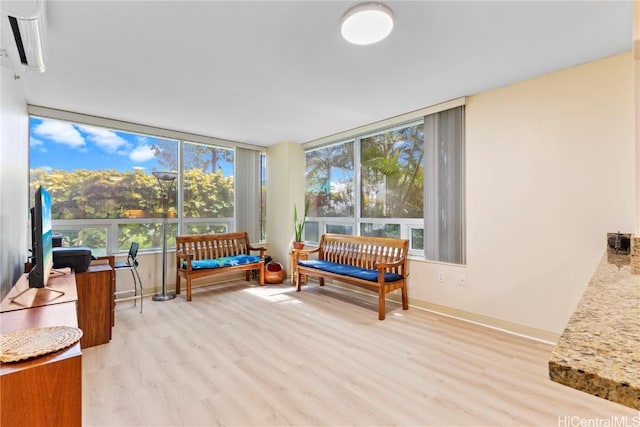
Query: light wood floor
point(241, 355)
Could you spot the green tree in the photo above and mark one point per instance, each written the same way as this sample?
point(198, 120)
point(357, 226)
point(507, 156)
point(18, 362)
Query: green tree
point(392, 174)
point(319, 177)
point(206, 158)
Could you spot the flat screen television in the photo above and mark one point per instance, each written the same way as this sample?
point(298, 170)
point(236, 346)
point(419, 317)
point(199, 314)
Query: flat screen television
point(42, 243)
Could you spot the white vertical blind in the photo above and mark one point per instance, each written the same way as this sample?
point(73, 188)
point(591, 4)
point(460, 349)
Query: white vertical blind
point(444, 187)
point(247, 190)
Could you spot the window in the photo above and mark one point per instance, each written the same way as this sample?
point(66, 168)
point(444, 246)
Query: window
point(329, 181)
point(102, 176)
point(388, 167)
point(208, 192)
point(92, 237)
point(380, 230)
point(392, 173)
point(105, 196)
point(374, 185)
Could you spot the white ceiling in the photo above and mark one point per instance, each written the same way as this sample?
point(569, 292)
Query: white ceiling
point(271, 71)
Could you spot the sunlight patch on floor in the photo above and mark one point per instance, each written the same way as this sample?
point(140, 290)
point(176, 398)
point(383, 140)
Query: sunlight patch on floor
point(272, 294)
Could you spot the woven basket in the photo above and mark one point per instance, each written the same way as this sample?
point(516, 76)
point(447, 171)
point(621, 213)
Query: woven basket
point(28, 343)
point(273, 272)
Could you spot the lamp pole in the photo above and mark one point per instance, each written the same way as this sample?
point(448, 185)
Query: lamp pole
point(166, 180)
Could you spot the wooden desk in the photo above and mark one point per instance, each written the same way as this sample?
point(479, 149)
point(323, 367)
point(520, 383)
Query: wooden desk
point(46, 390)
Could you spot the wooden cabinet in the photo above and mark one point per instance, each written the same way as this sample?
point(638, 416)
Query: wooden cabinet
point(45, 390)
point(95, 304)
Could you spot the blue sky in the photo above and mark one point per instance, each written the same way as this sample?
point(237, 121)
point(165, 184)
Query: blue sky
point(68, 146)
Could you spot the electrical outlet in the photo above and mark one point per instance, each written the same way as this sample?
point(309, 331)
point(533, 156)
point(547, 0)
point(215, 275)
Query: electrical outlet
point(462, 280)
point(441, 276)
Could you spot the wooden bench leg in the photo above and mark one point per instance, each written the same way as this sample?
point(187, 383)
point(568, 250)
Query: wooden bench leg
point(261, 275)
point(405, 298)
point(297, 279)
point(381, 306)
point(188, 288)
point(177, 283)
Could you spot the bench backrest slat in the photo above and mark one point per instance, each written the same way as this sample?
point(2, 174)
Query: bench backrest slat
point(362, 251)
point(211, 246)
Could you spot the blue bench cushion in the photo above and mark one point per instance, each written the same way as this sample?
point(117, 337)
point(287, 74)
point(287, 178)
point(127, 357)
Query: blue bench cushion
point(348, 270)
point(226, 261)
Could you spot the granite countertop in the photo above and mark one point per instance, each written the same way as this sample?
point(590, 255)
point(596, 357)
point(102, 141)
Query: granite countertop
point(599, 351)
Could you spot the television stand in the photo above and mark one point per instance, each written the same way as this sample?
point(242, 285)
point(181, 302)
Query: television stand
point(55, 272)
point(28, 289)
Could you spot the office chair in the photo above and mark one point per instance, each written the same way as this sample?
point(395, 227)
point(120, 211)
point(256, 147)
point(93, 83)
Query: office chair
point(132, 265)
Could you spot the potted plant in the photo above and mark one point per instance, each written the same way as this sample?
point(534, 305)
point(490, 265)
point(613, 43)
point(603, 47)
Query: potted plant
point(298, 225)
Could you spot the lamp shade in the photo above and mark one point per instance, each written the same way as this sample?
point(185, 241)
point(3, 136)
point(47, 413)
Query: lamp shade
point(367, 23)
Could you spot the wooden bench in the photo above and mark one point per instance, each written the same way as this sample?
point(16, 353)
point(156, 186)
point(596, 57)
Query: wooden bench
point(376, 263)
point(195, 252)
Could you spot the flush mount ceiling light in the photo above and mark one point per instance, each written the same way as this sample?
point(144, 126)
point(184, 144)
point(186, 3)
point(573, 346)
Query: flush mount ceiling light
point(367, 23)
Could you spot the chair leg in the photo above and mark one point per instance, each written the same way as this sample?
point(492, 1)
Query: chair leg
point(135, 286)
point(139, 283)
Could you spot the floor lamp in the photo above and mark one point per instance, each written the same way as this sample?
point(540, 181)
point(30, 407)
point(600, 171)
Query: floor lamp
point(166, 180)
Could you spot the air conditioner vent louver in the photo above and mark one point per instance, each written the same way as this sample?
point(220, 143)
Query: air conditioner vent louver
point(18, 37)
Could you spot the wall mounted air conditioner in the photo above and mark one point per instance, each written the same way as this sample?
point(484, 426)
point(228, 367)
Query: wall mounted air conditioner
point(24, 32)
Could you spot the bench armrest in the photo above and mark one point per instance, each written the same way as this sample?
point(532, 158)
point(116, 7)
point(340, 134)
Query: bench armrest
point(298, 252)
point(262, 249)
point(384, 265)
point(184, 257)
point(306, 251)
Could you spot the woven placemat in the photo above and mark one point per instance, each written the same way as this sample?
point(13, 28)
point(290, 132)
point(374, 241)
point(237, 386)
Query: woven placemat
point(27, 343)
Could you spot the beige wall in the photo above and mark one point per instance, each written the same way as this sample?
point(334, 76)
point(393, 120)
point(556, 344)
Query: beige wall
point(550, 171)
point(14, 176)
point(285, 180)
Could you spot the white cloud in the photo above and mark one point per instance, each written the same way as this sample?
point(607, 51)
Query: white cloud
point(106, 139)
point(60, 132)
point(34, 142)
point(142, 153)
